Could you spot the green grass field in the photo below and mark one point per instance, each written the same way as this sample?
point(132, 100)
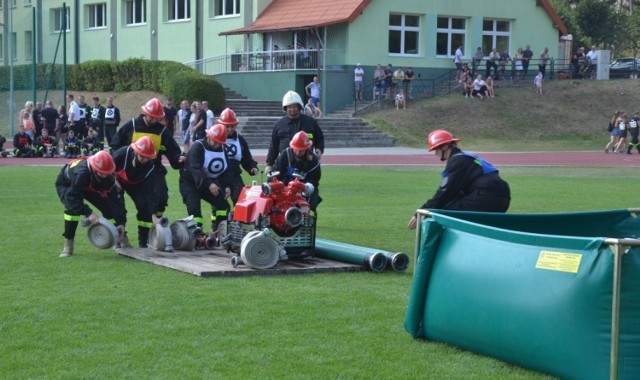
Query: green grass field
point(99, 315)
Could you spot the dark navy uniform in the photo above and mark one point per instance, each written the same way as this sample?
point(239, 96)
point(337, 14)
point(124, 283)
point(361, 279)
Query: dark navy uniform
point(165, 145)
point(308, 166)
point(133, 178)
point(283, 132)
point(470, 183)
point(77, 183)
point(111, 122)
point(205, 165)
point(239, 158)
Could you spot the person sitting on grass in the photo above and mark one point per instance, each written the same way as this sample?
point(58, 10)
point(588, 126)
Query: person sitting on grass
point(91, 145)
point(45, 144)
point(71, 145)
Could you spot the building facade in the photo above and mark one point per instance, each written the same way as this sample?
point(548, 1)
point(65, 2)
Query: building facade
point(262, 48)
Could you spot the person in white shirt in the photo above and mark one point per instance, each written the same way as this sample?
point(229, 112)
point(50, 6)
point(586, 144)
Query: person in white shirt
point(593, 59)
point(457, 59)
point(358, 84)
point(210, 115)
point(479, 87)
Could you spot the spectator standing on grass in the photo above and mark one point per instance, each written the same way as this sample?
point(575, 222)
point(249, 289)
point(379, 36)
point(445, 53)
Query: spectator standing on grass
point(634, 131)
point(358, 81)
point(492, 63)
point(184, 116)
point(28, 108)
point(388, 83)
point(51, 118)
point(96, 119)
point(478, 56)
point(199, 128)
point(614, 132)
point(398, 79)
point(84, 115)
point(537, 81)
point(468, 182)
point(210, 117)
point(36, 119)
point(74, 116)
point(111, 120)
point(170, 115)
point(458, 59)
point(527, 54)
point(544, 59)
point(378, 82)
point(28, 126)
point(408, 82)
point(401, 101)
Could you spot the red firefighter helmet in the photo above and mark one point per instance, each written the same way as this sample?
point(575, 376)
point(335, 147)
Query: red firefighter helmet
point(144, 147)
point(440, 137)
point(102, 162)
point(228, 117)
point(153, 108)
point(300, 141)
point(218, 133)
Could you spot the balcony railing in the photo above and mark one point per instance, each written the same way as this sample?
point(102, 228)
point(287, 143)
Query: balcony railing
point(275, 60)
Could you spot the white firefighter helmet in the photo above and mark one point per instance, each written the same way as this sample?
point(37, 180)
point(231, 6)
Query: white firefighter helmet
point(291, 97)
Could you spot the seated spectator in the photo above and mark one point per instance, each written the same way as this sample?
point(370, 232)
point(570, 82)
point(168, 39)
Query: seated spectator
point(400, 100)
point(22, 143)
point(468, 88)
point(71, 145)
point(312, 110)
point(92, 144)
point(490, 90)
point(45, 144)
point(479, 87)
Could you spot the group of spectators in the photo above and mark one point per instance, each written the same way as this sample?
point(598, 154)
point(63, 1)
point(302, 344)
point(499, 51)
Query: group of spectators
point(210, 167)
point(388, 84)
point(496, 63)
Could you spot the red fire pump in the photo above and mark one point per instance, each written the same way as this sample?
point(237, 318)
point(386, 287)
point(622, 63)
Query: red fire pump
point(272, 222)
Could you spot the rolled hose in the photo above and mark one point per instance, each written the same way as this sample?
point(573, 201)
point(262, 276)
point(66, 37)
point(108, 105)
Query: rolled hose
point(353, 254)
point(259, 250)
point(103, 234)
point(160, 236)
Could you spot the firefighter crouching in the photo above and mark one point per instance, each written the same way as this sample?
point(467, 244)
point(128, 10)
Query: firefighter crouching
point(151, 123)
point(91, 179)
point(299, 158)
point(206, 176)
point(134, 166)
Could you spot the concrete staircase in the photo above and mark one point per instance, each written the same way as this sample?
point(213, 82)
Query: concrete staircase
point(341, 129)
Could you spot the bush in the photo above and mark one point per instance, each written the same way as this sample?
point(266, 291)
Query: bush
point(98, 75)
point(192, 85)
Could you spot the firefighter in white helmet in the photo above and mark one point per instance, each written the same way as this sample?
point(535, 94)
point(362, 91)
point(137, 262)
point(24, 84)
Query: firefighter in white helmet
point(294, 122)
point(91, 179)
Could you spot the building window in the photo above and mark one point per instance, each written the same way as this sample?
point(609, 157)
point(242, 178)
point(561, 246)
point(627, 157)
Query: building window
point(58, 20)
point(97, 16)
point(404, 34)
point(135, 12)
point(178, 10)
point(226, 7)
point(451, 33)
point(496, 34)
point(28, 46)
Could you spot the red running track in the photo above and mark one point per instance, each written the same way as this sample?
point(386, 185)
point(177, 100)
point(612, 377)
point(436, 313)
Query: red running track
point(592, 159)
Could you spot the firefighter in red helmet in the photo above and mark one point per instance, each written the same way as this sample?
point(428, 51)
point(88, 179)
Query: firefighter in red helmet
point(468, 182)
point(238, 152)
point(300, 159)
point(151, 123)
point(134, 168)
point(206, 176)
point(91, 179)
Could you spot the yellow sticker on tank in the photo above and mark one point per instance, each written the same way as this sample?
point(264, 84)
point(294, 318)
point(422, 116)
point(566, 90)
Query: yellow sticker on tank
point(559, 261)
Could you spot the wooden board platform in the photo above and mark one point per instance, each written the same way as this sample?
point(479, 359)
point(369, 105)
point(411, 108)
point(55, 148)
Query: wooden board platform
point(217, 263)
